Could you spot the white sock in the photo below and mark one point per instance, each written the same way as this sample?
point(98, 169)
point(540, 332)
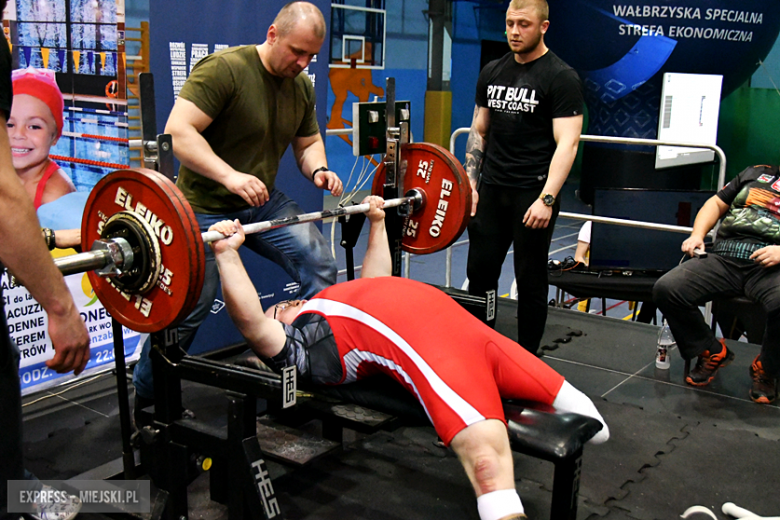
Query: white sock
point(570, 399)
point(498, 504)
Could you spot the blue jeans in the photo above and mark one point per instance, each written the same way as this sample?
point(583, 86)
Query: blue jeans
point(299, 249)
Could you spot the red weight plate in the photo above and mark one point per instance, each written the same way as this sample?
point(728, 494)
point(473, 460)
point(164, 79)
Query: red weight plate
point(197, 254)
point(155, 198)
point(447, 210)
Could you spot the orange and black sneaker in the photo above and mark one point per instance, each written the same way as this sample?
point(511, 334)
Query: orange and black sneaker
point(764, 389)
point(708, 364)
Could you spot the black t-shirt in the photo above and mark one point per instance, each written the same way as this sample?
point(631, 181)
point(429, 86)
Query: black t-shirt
point(312, 349)
point(6, 90)
point(523, 99)
point(753, 216)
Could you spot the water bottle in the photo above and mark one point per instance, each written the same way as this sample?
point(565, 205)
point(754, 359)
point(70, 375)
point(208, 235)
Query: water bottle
point(665, 344)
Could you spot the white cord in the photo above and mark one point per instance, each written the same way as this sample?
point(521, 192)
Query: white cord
point(70, 387)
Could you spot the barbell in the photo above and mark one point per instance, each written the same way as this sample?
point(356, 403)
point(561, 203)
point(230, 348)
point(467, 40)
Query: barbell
point(146, 258)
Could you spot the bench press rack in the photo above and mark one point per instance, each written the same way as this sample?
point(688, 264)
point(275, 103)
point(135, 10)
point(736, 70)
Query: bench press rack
point(239, 476)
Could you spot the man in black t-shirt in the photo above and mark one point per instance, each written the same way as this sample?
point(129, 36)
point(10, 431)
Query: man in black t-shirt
point(522, 143)
point(745, 260)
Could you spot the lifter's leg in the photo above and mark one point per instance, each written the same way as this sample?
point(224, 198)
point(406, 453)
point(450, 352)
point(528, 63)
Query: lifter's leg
point(483, 449)
point(569, 399)
point(521, 375)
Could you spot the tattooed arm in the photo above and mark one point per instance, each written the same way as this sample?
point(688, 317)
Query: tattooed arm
point(475, 150)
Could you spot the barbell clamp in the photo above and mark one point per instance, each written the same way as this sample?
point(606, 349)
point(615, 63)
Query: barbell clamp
point(108, 257)
point(119, 256)
point(415, 201)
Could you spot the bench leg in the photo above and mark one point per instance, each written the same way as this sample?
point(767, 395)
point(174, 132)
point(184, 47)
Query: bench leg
point(566, 488)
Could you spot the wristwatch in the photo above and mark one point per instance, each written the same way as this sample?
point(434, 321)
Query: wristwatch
point(48, 236)
point(318, 170)
point(547, 198)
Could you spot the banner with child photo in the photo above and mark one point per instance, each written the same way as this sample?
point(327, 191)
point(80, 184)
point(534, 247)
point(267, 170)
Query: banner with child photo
point(68, 128)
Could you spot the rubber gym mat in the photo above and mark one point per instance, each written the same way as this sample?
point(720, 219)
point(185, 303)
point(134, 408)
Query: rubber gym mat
point(69, 452)
point(637, 438)
point(609, 343)
point(708, 467)
point(384, 476)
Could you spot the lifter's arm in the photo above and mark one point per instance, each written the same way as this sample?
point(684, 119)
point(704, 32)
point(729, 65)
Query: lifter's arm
point(185, 124)
point(265, 336)
point(377, 261)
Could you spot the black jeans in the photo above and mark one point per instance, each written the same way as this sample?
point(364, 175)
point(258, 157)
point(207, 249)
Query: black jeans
point(11, 466)
point(681, 291)
point(497, 225)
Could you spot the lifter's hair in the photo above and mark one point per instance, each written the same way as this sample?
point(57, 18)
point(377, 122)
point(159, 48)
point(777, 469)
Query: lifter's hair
point(304, 12)
point(540, 6)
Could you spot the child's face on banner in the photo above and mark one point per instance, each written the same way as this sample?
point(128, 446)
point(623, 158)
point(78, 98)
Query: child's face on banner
point(32, 131)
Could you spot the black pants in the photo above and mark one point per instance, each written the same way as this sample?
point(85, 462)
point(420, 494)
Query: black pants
point(497, 225)
point(681, 291)
point(11, 467)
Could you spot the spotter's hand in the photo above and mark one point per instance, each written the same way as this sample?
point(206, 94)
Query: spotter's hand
point(248, 187)
point(328, 180)
point(233, 232)
point(375, 212)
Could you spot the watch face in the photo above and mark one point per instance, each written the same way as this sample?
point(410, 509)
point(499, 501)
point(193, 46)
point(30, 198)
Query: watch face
point(548, 200)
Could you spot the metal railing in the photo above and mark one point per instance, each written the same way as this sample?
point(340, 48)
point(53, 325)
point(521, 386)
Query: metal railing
point(607, 220)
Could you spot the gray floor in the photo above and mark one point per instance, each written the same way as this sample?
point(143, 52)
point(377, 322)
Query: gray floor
point(672, 446)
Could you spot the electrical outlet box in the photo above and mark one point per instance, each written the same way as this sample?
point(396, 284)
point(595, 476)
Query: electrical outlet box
point(369, 125)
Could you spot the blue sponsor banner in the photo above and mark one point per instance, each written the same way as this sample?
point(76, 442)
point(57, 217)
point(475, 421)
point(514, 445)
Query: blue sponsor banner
point(622, 49)
point(28, 327)
point(38, 376)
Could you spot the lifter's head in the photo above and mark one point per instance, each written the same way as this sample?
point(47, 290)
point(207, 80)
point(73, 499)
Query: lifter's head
point(294, 38)
point(285, 311)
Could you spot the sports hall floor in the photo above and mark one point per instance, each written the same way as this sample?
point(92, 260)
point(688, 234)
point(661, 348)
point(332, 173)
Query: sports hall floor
point(672, 446)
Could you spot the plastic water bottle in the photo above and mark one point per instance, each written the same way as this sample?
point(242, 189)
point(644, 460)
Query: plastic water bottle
point(665, 344)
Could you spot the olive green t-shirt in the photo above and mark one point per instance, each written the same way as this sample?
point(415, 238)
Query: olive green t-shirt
point(255, 117)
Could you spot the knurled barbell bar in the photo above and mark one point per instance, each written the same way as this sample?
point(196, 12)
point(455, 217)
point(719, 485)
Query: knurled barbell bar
point(414, 197)
point(114, 254)
point(147, 257)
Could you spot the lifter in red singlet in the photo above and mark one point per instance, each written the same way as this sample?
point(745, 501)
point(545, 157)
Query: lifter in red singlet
point(458, 368)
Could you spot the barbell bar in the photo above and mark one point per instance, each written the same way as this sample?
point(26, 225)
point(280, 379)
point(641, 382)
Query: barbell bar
point(146, 261)
point(114, 256)
point(414, 197)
